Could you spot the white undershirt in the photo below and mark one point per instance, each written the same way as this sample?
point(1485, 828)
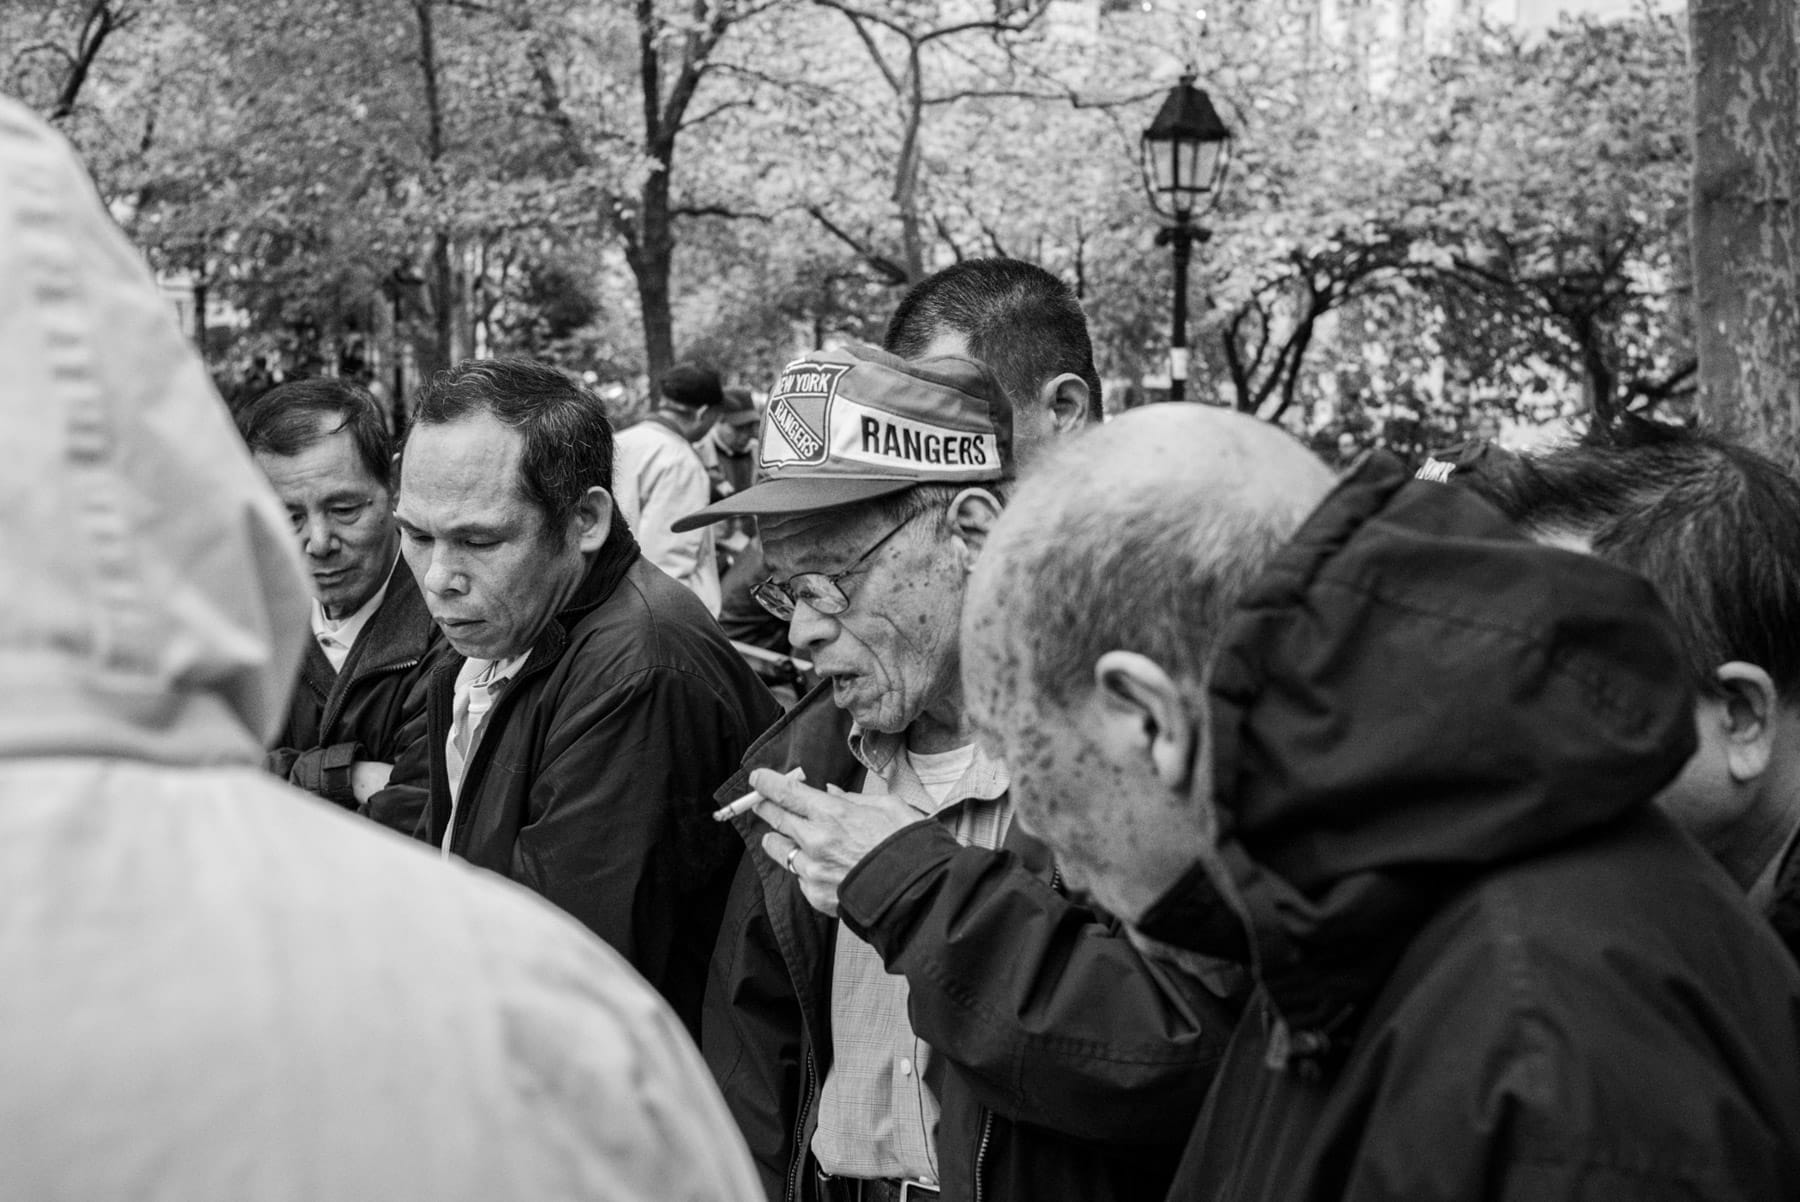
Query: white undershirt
point(939, 771)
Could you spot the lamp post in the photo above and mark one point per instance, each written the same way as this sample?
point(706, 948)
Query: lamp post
point(1185, 152)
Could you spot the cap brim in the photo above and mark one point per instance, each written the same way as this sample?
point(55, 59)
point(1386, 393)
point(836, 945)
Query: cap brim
point(784, 498)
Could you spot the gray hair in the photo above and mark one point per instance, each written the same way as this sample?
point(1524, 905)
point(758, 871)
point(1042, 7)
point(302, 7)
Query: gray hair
point(1109, 552)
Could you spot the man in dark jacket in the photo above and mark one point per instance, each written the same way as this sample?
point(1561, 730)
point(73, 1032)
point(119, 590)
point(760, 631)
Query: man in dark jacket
point(1716, 528)
point(592, 706)
point(324, 446)
point(1401, 760)
point(903, 1000)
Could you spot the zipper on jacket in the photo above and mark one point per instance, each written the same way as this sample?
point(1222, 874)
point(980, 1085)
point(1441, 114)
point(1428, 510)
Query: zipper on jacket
point(797, 1162)
point(335, 705)
point(987, 1133)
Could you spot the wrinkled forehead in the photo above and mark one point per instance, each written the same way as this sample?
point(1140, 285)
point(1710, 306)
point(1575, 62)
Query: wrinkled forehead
point(461, 468)
point(475, 451)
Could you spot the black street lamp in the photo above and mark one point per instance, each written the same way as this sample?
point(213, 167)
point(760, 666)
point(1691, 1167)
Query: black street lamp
point(1185, 149)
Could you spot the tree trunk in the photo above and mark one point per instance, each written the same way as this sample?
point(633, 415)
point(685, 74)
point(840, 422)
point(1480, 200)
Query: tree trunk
point(651, 259)
point(443, 294)
point(443, 268)
point(1746, 225)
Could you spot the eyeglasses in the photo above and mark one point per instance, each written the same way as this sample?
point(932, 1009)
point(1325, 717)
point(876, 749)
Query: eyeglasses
point(820, 590)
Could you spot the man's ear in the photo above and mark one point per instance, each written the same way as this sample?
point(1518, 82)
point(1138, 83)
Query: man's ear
point(972, 514)
point(1065, 398)
point(593, 519)
point(1144, 716)
point(1747, 718)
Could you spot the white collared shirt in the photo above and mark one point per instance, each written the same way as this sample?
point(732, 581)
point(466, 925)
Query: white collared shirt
point(479, 683)
point(336, 638)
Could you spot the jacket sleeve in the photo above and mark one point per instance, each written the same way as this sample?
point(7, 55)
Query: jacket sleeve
point(324, 771)
point(1049, 1013)
point(750, 1032)
point(618, 822)
point(401, 805)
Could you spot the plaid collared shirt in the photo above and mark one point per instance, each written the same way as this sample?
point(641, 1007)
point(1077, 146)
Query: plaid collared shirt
point(876, 1117)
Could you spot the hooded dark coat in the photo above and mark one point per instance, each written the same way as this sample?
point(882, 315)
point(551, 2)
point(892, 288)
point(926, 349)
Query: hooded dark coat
point(1487, 967)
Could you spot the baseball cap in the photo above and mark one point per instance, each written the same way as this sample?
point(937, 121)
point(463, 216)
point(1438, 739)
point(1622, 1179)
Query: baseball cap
point(692, 386)
point(855, 423)
point(740, 408)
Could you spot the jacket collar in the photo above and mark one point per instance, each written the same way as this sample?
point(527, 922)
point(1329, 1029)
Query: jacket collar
point(610, 564)
point(400, 632)
point(397, 637)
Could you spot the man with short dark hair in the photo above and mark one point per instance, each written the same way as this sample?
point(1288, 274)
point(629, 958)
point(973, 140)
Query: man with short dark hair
point(1716, 528)
point(659, 476)
point(1025, 324)
point(592, 705)
point(324, 446)
point(1399, 761)
point(904, 1004)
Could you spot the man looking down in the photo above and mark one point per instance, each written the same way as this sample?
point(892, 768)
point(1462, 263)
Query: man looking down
point(324, 446)
point(1399, 760)
point(592, 705)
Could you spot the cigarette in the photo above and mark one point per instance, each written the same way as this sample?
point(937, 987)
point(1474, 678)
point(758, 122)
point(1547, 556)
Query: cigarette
point(747, 802)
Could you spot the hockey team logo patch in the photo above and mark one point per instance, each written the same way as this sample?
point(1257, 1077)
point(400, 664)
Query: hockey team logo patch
point(797, 427)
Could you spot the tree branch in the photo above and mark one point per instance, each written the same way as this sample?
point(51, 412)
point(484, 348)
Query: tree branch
point(102, 20)
point(889, 270)
point(709, 114)
point(724, 211)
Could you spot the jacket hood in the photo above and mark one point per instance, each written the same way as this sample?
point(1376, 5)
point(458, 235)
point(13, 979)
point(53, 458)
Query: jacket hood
point(1412, 694)
point(151, 597)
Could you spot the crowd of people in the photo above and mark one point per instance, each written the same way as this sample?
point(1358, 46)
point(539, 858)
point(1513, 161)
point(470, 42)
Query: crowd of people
point(1174, 816)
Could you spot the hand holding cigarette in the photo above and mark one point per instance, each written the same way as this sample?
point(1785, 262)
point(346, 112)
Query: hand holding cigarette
point(747, 802)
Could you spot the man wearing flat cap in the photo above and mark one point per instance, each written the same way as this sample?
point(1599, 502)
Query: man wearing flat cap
point(659, 476)
point(903, 1003)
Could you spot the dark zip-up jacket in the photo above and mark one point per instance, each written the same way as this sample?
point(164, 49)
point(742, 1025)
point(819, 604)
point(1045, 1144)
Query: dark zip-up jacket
point(592, 783)
point(1487, 966)
point(372, 710)
point(1066, 1063)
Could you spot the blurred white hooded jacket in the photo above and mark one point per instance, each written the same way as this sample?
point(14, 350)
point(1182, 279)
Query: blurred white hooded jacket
point(213, 986)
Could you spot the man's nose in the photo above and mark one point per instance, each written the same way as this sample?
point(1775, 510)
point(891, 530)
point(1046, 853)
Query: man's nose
point(809, 629)
point(443, 577)
point(319, 538)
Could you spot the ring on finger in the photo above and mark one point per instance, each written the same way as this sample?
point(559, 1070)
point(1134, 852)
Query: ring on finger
point(790, 861)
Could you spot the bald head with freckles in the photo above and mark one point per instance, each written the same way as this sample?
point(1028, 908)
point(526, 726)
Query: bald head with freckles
point(1091, 618)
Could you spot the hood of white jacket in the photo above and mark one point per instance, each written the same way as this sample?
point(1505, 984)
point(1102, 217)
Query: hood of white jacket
point(152, 604)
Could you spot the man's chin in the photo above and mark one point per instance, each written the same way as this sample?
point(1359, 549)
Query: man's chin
point(473, 640)
point(338, 601)
point(869, 713)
